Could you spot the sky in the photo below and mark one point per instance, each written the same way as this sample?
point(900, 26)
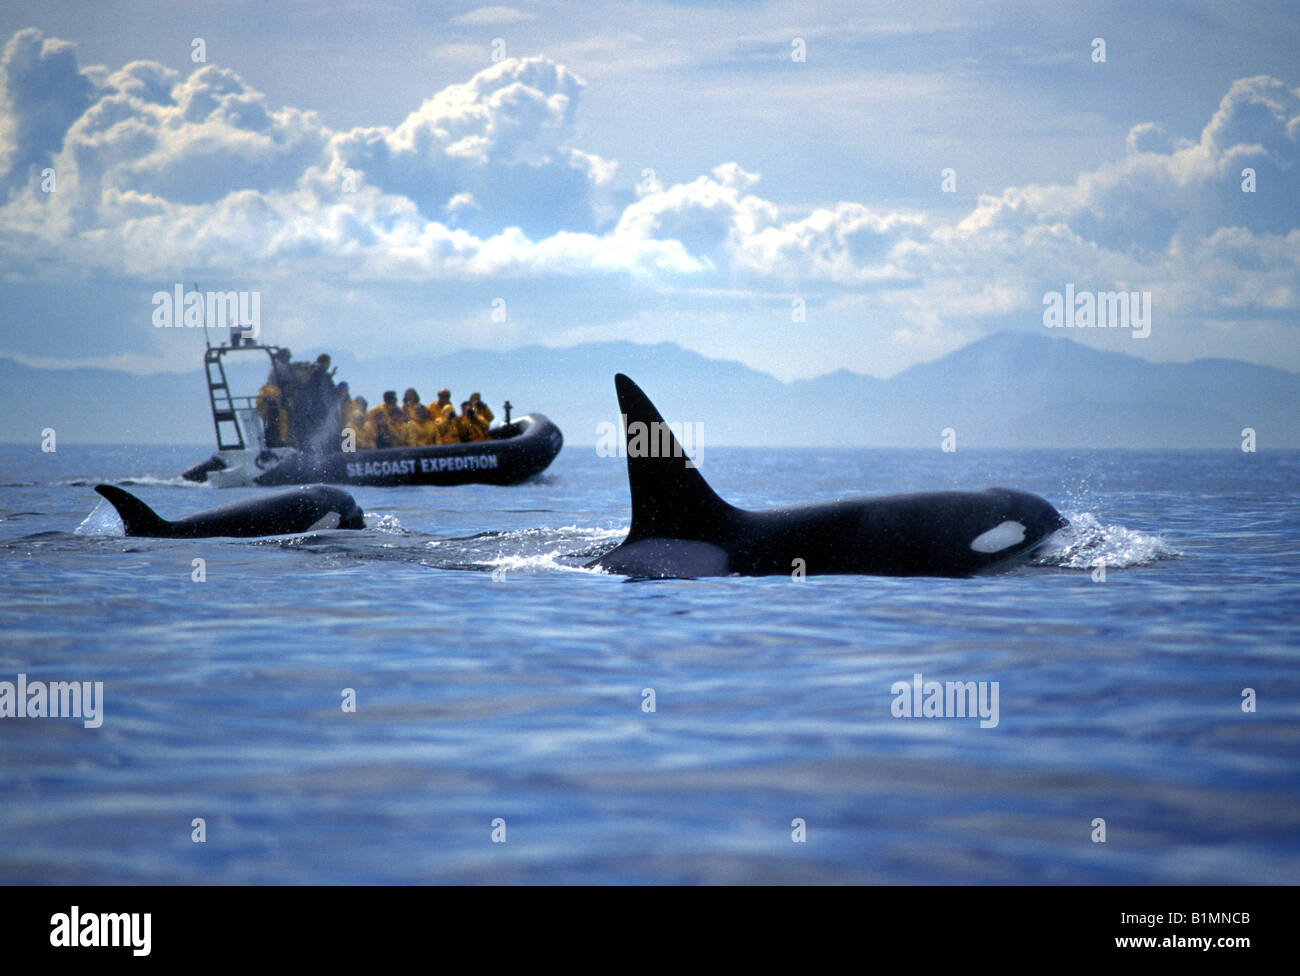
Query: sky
point(802, 187)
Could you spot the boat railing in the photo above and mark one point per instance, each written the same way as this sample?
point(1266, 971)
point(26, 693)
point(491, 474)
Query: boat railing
point(226, 407)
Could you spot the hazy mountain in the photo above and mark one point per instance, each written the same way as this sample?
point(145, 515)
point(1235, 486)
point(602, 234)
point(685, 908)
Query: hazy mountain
point(1013, 389)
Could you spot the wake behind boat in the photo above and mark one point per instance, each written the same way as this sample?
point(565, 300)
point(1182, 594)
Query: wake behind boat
point(512, 452)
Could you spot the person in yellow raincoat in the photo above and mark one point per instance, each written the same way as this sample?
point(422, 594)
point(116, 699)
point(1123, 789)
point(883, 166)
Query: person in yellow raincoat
point(354, 418)
point(384, 422)
point(472, 427)
point(447, 427)
point(273, 410)
point(410, 400)
point(420, 429)
point(439, 406)
point(482, 409)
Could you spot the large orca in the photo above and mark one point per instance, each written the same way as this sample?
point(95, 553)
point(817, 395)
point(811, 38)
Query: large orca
point(299, 510)
point(680, 528)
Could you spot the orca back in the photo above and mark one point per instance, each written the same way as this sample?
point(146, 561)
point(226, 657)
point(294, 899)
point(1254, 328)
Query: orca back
point(681, 528)
point(303, 509)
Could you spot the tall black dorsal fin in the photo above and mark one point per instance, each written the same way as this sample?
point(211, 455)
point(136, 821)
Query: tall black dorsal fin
point(669, 496)
point(137, 517)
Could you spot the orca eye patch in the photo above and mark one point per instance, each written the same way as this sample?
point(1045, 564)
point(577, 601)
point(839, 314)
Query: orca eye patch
point(1000, 537)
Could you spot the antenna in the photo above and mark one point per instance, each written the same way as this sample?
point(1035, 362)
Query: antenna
point(202, 317)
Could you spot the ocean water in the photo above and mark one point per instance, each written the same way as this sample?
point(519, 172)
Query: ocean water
point(497, 681)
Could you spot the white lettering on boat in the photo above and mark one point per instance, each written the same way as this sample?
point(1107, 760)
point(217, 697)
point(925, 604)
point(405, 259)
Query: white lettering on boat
point(428, 465)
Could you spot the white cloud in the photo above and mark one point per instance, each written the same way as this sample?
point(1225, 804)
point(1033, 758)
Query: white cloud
point(484, 182)
point(1170, 217)
point(504, 136)
point(487, 16)
point(42, 93)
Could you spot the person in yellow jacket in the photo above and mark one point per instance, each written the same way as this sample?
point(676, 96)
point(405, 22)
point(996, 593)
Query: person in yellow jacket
point(420, 429)
point(271, 407)
point(439, 406)
point(446, 427)
point(472, 427)
point(384, 422)
point(354, 419)
point(482, 409)
point(410, 400)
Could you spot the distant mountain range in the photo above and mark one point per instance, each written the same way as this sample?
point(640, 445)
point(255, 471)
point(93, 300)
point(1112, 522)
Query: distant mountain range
point(1012, 389)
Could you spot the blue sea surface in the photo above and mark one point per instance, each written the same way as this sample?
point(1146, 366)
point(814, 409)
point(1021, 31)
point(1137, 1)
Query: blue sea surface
point(498, 681)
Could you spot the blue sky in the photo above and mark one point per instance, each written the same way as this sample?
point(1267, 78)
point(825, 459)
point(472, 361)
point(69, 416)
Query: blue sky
point(383, 173)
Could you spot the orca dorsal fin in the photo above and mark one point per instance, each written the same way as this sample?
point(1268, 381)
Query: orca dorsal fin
point(670, 498)
point(138, 518)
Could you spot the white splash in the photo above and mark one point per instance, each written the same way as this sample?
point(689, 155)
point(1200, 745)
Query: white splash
point(102, 520)
point(385, 523)
point(1085, 541)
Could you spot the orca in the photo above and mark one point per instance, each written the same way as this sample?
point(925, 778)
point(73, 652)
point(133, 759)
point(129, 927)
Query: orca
point(300, 510)
point(682, 529)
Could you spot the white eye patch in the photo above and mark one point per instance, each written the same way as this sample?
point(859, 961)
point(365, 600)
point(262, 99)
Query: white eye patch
point(1001, 537)
point(331, 520)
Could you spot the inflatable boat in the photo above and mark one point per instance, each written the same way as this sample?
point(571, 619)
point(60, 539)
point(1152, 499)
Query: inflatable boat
point(514, 451)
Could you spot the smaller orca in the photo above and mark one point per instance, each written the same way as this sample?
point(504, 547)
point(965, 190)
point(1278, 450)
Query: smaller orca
point(300, 510)
point(680, 528)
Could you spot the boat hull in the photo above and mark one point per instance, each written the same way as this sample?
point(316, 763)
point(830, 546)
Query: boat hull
point(514, 453)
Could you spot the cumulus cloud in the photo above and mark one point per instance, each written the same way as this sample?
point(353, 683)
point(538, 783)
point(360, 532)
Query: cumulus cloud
point(483, 181)
point(711, 215)
point(1170, 217)
point(479, 179)
point(208, 136)
point(41, 93)
point(718, 218)
point(503, 137)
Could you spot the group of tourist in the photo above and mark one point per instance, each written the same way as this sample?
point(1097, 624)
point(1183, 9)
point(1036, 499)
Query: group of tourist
point(301, 407)
point(412, 424)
